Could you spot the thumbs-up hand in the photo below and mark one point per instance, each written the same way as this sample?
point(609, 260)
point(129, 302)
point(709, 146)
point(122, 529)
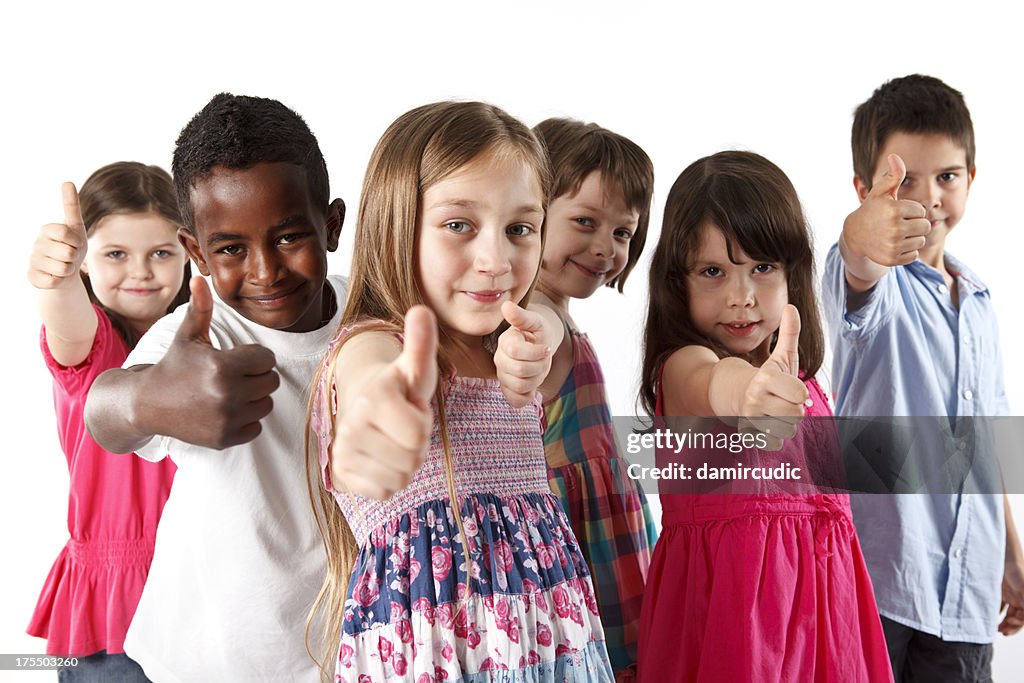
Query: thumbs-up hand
point(773, 402)
point(382, 433)
point(225, 392)
point(886, 229)
point(523, 357)
point(60, 248)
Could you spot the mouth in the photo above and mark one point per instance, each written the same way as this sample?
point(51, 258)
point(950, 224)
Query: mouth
point(138, 291)
point(486, 296)
point(741, 328)
point(589, 272)
point(274, 300)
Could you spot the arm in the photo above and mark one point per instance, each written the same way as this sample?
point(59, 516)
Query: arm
point(1013, 577)
point(54, 266)
point(195, 393)
point(884, 231)
point(384, 389)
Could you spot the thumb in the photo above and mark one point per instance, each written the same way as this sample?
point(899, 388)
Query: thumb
point(888, 184)
point(787, 348)
point(196, 325)
point(520, 318)
point(72, 209)
point(417, 365)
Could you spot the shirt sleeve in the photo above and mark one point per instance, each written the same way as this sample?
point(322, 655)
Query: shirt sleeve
point(878, 305)
point(108, 351)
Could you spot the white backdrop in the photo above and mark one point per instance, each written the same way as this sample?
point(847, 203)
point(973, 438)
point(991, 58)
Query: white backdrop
point(89, 83)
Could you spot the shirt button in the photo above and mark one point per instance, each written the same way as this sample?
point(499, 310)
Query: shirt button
point(962, 446)
point(967, 341)
point(968, 394)
point(943, 289)
point(957, 553)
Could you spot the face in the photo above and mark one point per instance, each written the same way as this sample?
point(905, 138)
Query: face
point(739, 305)
point(135, 265)
point(588, 239)
point(479, 243)
point(937, 178)
point(264, 243)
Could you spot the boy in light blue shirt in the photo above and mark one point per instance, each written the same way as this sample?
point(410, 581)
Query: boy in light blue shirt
point(914, 334)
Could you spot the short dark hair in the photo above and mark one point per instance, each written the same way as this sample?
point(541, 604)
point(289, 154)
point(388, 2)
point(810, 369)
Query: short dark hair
point(235, 131)
point(911, 104)
point(576, 149)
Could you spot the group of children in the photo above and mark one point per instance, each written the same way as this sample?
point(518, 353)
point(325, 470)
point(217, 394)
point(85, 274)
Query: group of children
point(424, 454)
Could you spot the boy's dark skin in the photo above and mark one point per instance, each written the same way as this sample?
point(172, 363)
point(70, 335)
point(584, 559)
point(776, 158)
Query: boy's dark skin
point(260, 238)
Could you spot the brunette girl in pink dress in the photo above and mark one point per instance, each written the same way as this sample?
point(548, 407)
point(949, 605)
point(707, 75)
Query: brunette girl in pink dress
point(761, 579)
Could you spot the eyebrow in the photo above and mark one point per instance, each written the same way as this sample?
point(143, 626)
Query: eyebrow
point(163, 245)
point(296, 219)
point(471, 204)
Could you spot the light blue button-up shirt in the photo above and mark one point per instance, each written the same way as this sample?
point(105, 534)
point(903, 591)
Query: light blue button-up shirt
point(935, 559)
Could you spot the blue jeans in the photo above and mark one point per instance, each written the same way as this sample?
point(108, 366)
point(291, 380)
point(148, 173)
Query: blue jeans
point(103, 668)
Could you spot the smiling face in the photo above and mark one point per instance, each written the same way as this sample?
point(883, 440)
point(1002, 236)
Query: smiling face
point(479, 243)
point(937, 178)
point(264, 243)
point(135, 265)
point(588, 240)
point(736, 304)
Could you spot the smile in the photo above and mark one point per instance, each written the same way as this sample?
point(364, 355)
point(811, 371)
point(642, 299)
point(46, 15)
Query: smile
point(740, 328)
point(488, 296)
point(274, 300)
point(596, 274)
point(139, 292)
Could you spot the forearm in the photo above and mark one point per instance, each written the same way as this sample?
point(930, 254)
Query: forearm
point(69, 320)
point(1013, 549)
point(114, 414)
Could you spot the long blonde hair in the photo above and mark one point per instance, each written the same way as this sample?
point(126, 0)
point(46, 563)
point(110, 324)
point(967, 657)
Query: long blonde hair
point(421, 148)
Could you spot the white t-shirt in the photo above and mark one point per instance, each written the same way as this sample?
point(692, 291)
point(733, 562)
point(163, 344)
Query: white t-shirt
point(238, 559)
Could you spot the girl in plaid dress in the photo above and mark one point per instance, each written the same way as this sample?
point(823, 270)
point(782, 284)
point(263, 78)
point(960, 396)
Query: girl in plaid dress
point(597, 224)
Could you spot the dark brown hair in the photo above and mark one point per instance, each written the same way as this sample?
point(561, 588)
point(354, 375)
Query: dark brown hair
point(576, 149)
point(126, 187)
point(756, 207)
point(911, 104)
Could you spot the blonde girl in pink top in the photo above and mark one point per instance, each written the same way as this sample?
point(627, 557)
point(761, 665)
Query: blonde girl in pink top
point(104, 275)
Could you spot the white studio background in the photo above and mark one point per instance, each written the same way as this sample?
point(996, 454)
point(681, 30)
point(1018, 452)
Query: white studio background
point(85, 84)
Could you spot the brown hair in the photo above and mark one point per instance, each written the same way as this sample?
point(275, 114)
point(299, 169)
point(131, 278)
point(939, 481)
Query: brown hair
point(421, 148)
point(756, 207)
point(575, 149)
point(127, 187)
point(911, 104)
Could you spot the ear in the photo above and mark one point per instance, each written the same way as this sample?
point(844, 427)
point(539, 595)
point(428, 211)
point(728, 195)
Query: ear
point(861, 187)
point(970, 176)
point(335, 220)
point(191, 245)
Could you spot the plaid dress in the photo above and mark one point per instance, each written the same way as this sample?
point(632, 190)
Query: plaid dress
point(606, 508)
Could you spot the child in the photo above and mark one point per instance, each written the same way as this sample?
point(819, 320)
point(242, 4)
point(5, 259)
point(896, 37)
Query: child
point(755, 585)
point(238, 557)
point(457, 190)
point(915, 334)
point(112, 269)
point(596, 228)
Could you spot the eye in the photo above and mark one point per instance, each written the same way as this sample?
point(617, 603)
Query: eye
point(763, 268)
point(162, 254)
point(458, 227)
point(115, 254)
point(584, 221)
point(231, 250)
point(712, 271)
point(624, 234)
point(519, 230)
point(290, 238)
point(947, 177)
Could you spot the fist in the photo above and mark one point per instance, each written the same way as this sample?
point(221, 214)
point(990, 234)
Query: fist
point(523, 358)
point(60, 248)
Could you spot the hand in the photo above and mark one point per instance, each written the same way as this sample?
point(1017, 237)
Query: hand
point(225, 392)
point(523, 358)
point(773, 402)
point(382, 437)
point(1013, 598)
point(886, 229)
point(60, 248)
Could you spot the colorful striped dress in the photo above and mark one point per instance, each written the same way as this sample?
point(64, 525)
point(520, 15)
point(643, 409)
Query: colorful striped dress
point(606, 508)
point(523, 611)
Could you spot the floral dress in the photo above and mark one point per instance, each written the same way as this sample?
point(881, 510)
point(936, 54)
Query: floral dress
point(521, 610)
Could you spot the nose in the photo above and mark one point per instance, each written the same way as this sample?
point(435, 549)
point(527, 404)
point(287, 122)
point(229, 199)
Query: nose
point(740, 293)
point(141, 268)
point(264, 267)
point(933, 197)
point(601, 245)
point(491, 255)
